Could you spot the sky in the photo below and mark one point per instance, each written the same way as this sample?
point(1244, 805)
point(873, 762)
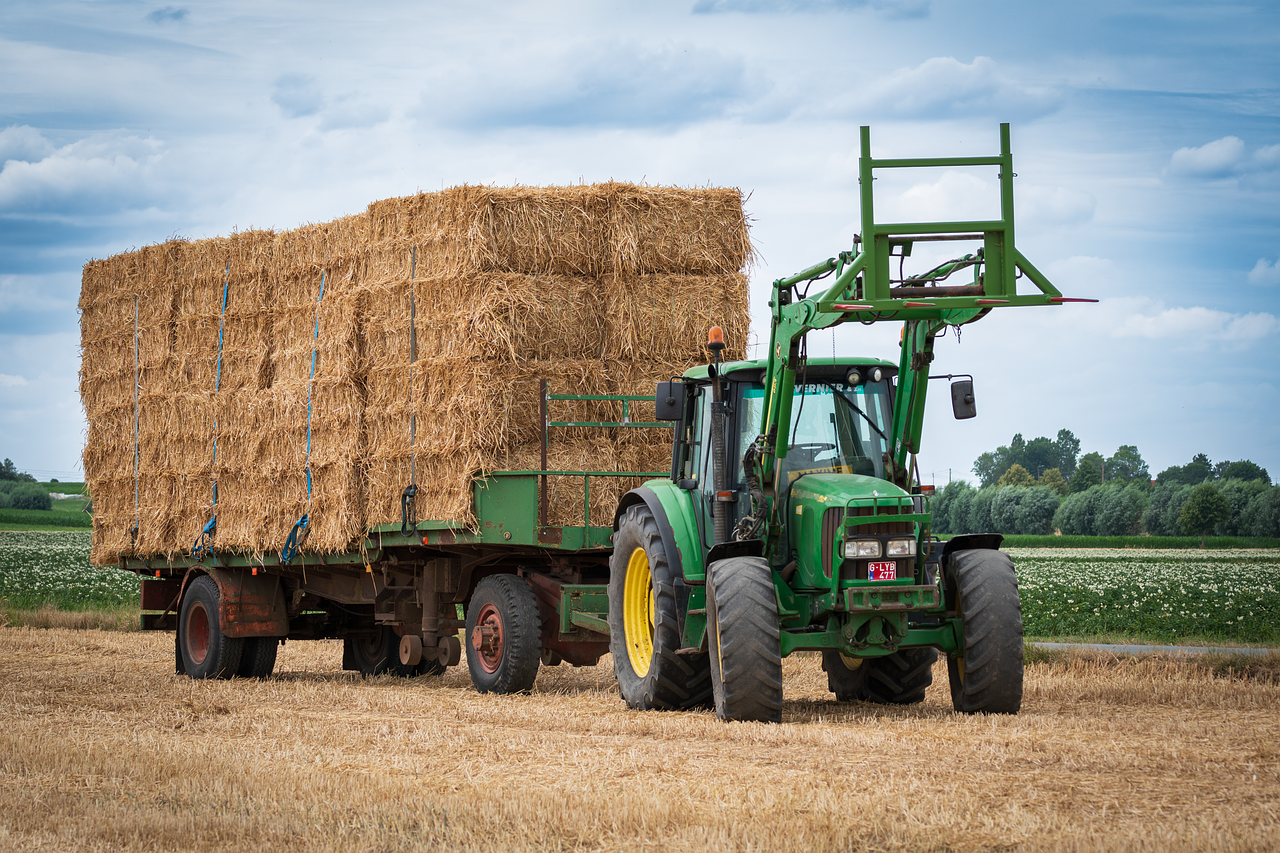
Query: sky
point(1146, 141)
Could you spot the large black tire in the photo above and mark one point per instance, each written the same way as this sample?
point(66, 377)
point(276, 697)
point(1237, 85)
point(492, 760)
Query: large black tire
point(897, 679)
point(742, 626)
point(651, 673)
point(258, 658)
point(206, 651)
point(986, 676)
point(374, 654)
point(504, 635)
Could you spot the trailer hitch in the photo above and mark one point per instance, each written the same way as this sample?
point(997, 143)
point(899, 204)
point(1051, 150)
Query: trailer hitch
point(406, 501)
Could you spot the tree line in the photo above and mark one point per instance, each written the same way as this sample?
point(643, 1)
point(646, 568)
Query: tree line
point(19, 490)
point(1045, 485)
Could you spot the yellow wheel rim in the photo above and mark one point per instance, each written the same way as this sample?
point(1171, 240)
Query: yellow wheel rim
point(637, 612)
point(850, 663)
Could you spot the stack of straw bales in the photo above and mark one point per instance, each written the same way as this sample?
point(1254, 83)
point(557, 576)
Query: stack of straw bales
point(598, 289)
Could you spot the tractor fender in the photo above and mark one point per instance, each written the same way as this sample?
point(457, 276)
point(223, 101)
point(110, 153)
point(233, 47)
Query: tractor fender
point(249, 605)
point(673, 510)
point(971, 542)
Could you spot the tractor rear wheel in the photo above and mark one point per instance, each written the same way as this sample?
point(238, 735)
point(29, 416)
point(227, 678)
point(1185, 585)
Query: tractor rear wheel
point(742, 627)
point(644, 634)
point(206, 652)
point(897, 679)
point(986, 675)
point(504, 635)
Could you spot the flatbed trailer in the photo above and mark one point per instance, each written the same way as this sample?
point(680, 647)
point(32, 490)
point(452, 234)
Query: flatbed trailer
point(400, 598)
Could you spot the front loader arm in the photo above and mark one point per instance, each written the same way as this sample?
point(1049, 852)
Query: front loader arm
point(865, 291)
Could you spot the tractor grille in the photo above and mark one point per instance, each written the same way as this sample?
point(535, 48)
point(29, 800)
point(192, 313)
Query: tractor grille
point(832, 521)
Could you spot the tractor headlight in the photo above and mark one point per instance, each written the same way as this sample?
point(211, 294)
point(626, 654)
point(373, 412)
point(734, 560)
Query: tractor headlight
point(864, 548)
point(902, 547)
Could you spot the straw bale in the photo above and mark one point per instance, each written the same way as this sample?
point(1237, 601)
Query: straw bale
point(666, 316)
point(610, 229)
point(112, 518)
point(340, 243)
point(444, 486)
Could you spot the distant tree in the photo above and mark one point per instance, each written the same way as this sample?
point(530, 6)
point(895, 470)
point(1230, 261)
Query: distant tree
point(1238, 494)
point(30, 496)
point(1088, 473)
point(8, 471)
point(1077, 514)
point(5, 501)
point(1161, 516)
point(1068, 452)
point(1004, 509)
point(943, 507)
point(1035, 511)
point(1127, 465)
point(989, 466)
point(1171, 476)
point(980, 511)
point(1052, 479)
point(1197, 470)
point(1039, 454)
point(1243, 470)
point(1204, 509)
point(1017, 476)
point(1262, 516)
point(1119, 509)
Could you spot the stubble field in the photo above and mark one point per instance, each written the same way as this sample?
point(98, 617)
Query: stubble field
point(104, 748)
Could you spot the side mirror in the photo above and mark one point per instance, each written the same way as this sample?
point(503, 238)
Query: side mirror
point(962, 403)
point(669, 401)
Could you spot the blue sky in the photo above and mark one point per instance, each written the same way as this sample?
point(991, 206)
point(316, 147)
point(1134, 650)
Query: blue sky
point(1146, 138)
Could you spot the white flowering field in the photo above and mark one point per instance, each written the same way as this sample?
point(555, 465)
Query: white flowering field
point(51, 567)
point(1232, 595)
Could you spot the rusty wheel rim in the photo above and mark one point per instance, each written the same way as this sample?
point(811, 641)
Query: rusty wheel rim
point(198, 633)
point(487, 638)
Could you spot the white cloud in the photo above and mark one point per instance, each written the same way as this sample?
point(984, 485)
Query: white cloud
point(1197, 327)
point(944, 86)
point(23, 143)
point(7, 381)
point(109, 169)
point(1215, 159)
point(1265, 273)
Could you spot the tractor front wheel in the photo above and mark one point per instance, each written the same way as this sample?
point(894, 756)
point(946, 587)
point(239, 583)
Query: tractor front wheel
point(986, 675)
point(644, 635)
point(504, 635)
point(897, 679)
point(742, 626)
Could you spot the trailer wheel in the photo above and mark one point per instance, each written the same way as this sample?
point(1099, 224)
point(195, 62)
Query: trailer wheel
point(897, 679)
point(258, 658)
point(374, 654)
point(986, 676)
point(643, 629)
point(742, 624)
point(206, 651)
point(504, 635)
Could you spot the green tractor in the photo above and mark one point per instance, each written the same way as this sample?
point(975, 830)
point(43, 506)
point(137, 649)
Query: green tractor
point(794, 518)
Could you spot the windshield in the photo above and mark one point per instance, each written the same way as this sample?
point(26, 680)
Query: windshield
point(835, 428)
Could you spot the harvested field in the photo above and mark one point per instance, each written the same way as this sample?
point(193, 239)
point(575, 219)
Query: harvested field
point(105, 748)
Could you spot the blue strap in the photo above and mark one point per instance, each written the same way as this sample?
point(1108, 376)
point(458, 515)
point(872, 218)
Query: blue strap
point(204, 542)
point(298, 534)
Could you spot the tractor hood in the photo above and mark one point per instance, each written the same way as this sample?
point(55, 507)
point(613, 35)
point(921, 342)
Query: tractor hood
point(835, 489)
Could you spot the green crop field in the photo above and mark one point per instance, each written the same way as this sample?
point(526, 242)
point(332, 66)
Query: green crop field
point(1162, 596)
point(50, 568)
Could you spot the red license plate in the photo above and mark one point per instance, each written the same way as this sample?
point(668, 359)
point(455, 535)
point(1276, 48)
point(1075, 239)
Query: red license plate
point(882, 571)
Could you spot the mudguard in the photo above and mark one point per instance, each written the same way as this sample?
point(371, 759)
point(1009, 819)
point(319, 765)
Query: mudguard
point(672, 506)
point(249, 605)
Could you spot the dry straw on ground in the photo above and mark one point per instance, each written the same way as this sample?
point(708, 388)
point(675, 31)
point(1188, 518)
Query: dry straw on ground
point(104, 748)
point(403, 344)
